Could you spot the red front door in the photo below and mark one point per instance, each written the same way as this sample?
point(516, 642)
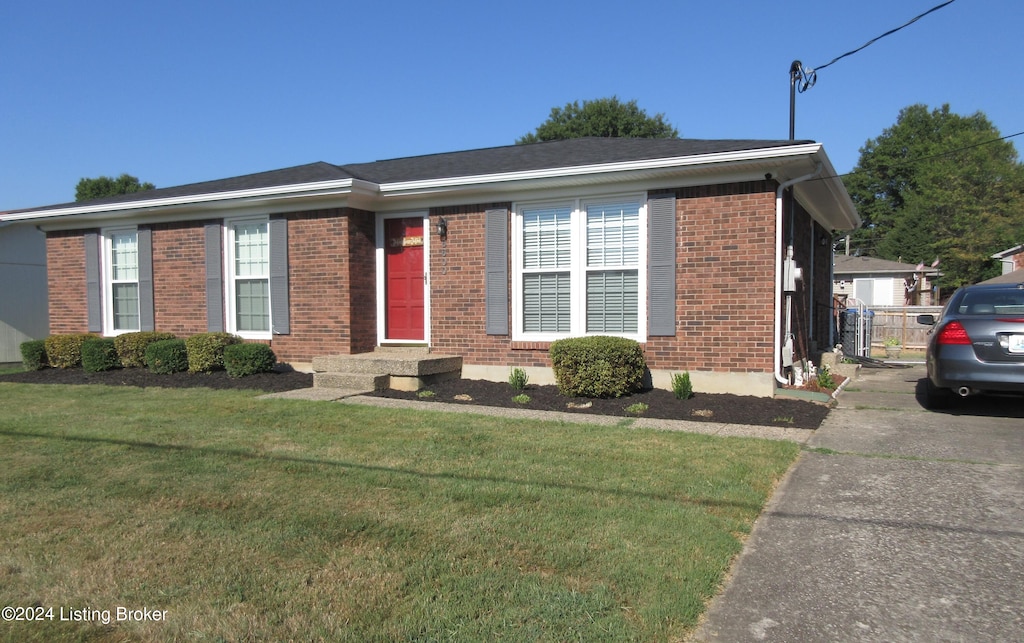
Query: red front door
point(404, 281)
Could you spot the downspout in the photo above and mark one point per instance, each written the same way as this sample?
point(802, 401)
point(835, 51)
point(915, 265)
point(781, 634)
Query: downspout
point(783, 265)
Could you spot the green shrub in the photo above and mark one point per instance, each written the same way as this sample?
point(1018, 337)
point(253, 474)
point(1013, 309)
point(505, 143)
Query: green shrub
point(598, 366)
point(131, 347)
point(206, 351)
point(99, 355)
point(247, 359)
point(33, 354)
point(65, 351)
point(167, 356)
point(681, 386)
point(825, 379)
point(518, 379)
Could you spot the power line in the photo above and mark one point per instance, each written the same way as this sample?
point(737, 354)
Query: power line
point(808, 76)
point(923, 158)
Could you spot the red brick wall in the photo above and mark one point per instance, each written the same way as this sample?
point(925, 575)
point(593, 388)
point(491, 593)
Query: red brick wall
point(65, 275)
point(331, 284)
point(725, 253)
point(179, 278)
point(725, 250)
point(811, 329)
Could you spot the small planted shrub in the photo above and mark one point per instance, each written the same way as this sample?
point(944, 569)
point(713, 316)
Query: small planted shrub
point(681, 386)
point(65, 351)
point(241, 360)
point(33, 354)
point(99, 355)
point(167, 356)
point(522, 398)
point(598, 366)
point(639, 408)
point(825, 379)
point(131, 347)
point(206, 351)
point(518, 379)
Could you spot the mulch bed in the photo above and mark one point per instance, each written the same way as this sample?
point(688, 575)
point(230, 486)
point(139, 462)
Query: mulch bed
point(703, 407)
point(662, 404)
point(269, 382)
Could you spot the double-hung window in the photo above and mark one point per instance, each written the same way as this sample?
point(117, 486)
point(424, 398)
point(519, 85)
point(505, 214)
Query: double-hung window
point(248, 269)
point(578, 269)
point(121, 286)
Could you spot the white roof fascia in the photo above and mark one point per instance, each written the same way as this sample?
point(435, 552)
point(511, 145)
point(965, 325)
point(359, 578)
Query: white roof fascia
point(322, 188)
point(447, 183)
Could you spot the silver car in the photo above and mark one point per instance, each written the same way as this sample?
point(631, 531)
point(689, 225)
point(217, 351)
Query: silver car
point(977, 344)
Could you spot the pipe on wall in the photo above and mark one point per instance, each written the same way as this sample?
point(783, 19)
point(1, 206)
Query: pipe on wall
point(782, 340)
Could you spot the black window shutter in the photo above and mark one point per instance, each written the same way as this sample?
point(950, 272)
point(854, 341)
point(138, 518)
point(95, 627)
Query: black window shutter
point(93, 286)
point(496, 269)
point(661, 259)
point(280, 321)
point(146, 308)
point(214, 280)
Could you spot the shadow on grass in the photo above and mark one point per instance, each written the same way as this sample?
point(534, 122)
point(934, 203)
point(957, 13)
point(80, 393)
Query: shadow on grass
point(249, 455)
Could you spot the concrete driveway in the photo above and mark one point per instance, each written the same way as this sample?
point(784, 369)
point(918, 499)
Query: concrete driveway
point(897, 524)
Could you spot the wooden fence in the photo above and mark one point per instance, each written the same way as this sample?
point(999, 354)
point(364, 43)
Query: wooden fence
point(901, 322)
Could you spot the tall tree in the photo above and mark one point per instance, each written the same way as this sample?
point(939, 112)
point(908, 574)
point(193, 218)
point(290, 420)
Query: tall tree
point(937, 185)
point(604, 117)
point(104, 186)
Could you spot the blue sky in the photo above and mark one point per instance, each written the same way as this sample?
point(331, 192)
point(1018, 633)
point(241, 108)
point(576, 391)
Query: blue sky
point(188, 91)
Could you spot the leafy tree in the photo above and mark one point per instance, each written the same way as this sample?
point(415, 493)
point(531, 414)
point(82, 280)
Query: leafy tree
point(104, 186)
point(604, 117)
point(939, 185)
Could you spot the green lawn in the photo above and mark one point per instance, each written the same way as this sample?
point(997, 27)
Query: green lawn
point(272, 520)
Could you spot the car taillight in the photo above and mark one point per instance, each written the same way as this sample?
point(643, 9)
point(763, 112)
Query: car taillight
point(1011, 320)
point(953, 333)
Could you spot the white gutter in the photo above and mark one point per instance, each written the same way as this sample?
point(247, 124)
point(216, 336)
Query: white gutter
point(779, 269)
point(339, 186)
point(806, 149)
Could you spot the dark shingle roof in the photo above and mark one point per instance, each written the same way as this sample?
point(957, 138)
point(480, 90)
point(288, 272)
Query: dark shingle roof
point(310, 173)
point(548, 155)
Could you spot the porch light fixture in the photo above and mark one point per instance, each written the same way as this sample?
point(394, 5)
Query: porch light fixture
point(442, 228)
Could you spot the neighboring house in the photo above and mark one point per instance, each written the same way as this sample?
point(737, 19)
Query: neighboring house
point(1010, 259)
point(23, 309)
point(488, 254)
point(880, 282)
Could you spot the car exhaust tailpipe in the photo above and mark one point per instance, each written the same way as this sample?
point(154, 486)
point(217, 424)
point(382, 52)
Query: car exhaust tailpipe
point(964, 391)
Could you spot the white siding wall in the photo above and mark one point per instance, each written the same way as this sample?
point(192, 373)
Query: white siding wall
point(23, 301)
point(879, 291)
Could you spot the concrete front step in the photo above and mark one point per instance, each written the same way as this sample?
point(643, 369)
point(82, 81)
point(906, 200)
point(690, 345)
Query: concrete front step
point(357, 381)
point(390, 364)
point(408, 369)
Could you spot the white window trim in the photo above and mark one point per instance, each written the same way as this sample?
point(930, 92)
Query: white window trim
point(578, 268)
point(107, 276)
point(230, 312)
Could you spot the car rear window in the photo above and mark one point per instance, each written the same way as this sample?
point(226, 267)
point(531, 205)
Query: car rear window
point(992, 302)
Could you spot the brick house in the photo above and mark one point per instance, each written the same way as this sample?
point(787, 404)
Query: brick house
point(689, 246)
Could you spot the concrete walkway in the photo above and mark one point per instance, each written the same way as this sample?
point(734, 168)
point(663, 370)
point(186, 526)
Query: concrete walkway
point(349, 396)
point(898, 525)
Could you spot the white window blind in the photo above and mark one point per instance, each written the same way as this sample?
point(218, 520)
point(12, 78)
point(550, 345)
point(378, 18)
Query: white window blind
point(579, 268)
point(547, 245)
point(613, 240)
